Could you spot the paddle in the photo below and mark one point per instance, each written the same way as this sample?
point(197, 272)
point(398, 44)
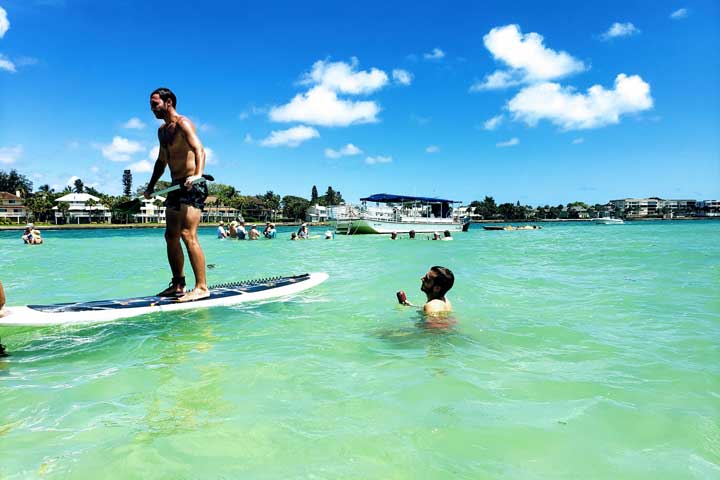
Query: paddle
point(133, 206)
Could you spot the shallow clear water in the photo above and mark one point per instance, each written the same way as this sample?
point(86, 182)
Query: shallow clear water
point(581, 351)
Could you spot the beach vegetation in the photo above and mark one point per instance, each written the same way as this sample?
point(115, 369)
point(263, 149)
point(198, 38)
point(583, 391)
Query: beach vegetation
point(12, 182)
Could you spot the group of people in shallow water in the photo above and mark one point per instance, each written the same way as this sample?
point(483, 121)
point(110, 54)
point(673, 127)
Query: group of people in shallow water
point(237, 231)
point(446, 236)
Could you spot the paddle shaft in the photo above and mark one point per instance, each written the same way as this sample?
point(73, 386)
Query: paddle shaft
point(178, 186)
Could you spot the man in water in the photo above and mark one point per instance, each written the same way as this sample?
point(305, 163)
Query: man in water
point(435, 285)
point(221, 232)
point(181, 150)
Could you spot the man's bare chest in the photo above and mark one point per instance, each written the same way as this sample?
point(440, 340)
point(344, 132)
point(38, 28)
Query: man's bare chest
point(171, 137)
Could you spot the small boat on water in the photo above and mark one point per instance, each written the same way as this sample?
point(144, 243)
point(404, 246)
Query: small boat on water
point(607, 221)
point(510, 227)
point(401, 214)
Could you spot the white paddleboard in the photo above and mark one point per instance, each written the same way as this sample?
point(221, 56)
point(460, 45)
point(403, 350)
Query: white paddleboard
point(109, 310)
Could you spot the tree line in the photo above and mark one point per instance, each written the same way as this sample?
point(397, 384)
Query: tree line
point(267, 206)
point(488, 209)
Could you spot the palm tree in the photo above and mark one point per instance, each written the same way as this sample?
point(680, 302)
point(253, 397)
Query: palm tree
point(91, 204)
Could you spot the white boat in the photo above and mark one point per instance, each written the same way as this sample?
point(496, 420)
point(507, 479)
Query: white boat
point(401, 214)
point(607, 221)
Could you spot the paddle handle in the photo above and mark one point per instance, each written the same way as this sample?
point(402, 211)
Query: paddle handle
point(203, 178)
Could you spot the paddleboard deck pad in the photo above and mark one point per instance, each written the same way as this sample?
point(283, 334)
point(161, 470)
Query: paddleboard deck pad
point(109, 310)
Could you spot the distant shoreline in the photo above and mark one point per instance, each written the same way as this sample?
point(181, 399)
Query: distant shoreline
point(115, 226)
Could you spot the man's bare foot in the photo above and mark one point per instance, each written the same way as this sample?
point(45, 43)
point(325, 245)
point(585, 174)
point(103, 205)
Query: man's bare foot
point(195, 294)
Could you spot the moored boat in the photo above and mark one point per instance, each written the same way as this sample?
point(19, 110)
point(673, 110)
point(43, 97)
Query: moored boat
point(401, 214)
point(607, 221)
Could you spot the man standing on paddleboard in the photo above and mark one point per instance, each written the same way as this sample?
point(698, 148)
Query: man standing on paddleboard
point(181, 150)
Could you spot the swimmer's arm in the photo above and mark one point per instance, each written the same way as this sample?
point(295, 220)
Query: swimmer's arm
point(188, 130)
point(158, 170)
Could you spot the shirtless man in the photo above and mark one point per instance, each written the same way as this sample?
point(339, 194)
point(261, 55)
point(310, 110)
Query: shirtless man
point(434, 284)
point(181, 150)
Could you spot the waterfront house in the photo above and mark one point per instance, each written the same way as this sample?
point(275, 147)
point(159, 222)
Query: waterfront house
point(13, 208)
point(152, 210)
point(321, 213)
point(82, 208)
point(215, 211)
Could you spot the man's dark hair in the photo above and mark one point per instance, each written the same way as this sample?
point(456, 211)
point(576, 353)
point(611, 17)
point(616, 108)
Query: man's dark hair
point(164, 94)
point(443, 279)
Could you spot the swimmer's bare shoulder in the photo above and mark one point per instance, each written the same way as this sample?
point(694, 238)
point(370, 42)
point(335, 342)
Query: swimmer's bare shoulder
point(437, 307)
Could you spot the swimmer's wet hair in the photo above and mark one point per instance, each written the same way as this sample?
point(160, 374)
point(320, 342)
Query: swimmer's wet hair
point(164, 94)
point(443, 279)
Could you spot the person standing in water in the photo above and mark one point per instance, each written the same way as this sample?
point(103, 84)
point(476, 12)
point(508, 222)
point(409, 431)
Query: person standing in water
point(182, 151)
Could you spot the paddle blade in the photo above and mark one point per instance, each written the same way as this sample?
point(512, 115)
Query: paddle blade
point(130, 207)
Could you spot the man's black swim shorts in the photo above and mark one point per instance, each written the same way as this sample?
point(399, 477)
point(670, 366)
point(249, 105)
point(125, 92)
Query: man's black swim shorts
point(195, 197)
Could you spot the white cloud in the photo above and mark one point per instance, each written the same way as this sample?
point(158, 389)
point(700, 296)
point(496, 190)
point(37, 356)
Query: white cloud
point(378, 159)
point(321, 106)
point(420, 120)
point(121, 149)
point(154, 153)
point(94, 169)
point(73, 144)
point(71, 181)
point(10, 155)
point(341, 77)
point(620, 30)
point(248, 138)
point(493, 123)
point(435, 54)
point(292, 137)
point(4, 22)
point(210, 157)
point(252, 110)
point(529, 60)
point(498, 79)
point(6, 64)
point(510, 143)
point(403, 77)
point(578, 141)
point(432, 149)
point(346, 151)
point(679, 13)
point(142, 166)
point(134, 123)
point(576, 111)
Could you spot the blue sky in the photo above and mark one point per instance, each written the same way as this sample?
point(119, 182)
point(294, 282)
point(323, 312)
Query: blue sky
point(537, 102)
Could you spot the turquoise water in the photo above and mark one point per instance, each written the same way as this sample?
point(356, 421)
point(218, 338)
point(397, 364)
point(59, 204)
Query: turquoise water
point(581, 351)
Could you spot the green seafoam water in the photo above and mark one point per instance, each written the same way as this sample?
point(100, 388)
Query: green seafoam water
point(581, 351)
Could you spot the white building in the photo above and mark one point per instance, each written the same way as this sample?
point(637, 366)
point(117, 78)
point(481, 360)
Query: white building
point(654, 206)
point(12, 207)
point(152, 210)
point(320, 213)
point(708, 208)
point(80, 212)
